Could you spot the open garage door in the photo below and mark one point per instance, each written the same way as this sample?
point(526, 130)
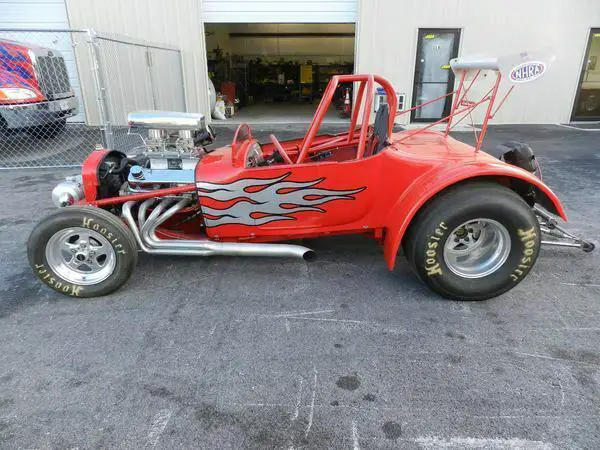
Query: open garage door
point(279, 11)
point(277, 73)
point(270, 60)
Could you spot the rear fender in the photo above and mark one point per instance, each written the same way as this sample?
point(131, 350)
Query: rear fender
point(434, 182)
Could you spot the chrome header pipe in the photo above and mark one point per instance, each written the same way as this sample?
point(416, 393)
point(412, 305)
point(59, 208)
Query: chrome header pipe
point(128, 216)
point(148, 241)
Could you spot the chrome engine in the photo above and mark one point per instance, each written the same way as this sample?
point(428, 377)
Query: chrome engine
point(175, 140)
point(174, 144)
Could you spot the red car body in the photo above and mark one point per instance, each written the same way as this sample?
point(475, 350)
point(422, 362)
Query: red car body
point(352, 191)
point(470, 225)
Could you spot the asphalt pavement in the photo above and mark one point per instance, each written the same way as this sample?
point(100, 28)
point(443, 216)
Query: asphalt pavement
point(276, 353)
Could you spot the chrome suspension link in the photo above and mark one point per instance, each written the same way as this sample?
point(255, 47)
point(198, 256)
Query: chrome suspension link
point(562, 238)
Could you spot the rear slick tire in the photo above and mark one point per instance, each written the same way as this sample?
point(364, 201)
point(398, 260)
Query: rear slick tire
point(82, 251)
point(475, 241)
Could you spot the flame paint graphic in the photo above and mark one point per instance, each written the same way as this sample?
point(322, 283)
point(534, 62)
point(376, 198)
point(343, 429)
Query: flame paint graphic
point(278, 200)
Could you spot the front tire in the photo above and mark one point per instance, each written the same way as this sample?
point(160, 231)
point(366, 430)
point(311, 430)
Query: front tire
point(473, 242)
point(82, 251)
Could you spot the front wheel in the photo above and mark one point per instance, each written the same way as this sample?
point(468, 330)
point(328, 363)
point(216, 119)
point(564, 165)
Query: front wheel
point(473, 242)
point(82, 251)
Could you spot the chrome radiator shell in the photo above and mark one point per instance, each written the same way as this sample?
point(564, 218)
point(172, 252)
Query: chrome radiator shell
point(68, 192)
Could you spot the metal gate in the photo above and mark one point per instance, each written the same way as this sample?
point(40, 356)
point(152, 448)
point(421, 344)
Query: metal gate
point(64, 92)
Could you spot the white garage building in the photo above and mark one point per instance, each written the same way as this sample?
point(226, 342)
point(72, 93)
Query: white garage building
point(256, 48)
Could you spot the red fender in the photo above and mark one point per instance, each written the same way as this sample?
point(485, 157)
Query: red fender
point(432, 182)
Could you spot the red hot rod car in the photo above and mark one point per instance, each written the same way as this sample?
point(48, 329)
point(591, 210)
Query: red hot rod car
point(468, 223)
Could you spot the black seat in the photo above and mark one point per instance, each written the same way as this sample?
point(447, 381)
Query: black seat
point(380, 128)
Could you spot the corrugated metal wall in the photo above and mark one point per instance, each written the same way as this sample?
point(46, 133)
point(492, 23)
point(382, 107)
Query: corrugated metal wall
point(177, 23)
point(280, 11)
point(387, 42)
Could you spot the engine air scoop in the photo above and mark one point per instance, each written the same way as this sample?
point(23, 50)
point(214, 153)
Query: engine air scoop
point(166, 120)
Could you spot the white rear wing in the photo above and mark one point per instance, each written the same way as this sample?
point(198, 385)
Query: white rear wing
point(474, 63)
point(521, 68)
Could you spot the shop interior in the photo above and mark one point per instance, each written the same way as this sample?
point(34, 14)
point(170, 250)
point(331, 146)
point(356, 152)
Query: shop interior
point(587, 103)
point(276, 73)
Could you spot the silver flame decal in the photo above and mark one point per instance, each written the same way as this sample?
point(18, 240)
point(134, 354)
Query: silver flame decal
point(270, 199)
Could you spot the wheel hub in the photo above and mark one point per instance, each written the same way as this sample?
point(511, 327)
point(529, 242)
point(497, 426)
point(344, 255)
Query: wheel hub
point(80, 256)
point(477, 248)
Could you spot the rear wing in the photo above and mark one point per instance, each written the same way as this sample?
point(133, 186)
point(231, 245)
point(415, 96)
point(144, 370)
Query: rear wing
point(521, 68)
point(458, 64)
point(517, 69)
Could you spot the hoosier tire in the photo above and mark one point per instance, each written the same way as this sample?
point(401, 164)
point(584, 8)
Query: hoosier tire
point(473, 242)
point(82, 251)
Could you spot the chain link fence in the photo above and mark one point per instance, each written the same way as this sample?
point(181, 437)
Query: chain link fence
point(63, 92)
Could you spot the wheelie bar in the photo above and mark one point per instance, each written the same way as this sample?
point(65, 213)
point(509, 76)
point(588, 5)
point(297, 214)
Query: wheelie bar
point(549, 227)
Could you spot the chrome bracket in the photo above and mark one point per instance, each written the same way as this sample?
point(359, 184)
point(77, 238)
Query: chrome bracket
point(559, 236)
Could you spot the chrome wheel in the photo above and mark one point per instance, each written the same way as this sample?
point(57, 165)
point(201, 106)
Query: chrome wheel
point(81, 256)
point(477, 248)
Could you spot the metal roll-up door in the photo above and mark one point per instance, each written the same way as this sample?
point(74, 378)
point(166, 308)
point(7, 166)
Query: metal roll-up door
point(279, 11)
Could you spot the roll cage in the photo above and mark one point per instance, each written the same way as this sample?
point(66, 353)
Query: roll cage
point(467, 71)
point(357, 134)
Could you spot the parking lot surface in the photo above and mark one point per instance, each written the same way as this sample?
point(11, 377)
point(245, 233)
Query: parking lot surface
point(274, 353)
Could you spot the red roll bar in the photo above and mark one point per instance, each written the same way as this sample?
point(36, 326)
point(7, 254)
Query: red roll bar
point(461, 105)
point(367, 83)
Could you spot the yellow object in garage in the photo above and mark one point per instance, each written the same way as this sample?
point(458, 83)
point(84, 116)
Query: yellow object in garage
point(306, 73)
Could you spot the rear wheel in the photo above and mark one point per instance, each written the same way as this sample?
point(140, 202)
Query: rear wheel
point(82, 251)
point(473, 242)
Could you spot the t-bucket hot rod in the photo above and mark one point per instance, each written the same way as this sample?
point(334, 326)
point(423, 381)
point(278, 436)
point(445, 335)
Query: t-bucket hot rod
point(470, 224)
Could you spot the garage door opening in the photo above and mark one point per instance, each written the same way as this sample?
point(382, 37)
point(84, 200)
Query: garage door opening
point(276, 73)
point(587, 101)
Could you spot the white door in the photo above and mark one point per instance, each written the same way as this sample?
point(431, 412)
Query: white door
point(43, 14)
point(279, 11)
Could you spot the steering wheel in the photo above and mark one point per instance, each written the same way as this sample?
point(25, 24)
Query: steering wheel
point(280, 149)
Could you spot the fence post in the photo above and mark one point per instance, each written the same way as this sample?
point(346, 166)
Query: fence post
point(185, 100)
point(149, 64)
point(100, 85)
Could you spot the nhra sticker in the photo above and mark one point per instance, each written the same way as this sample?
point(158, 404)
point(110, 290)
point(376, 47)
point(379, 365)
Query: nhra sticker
point(527, 71)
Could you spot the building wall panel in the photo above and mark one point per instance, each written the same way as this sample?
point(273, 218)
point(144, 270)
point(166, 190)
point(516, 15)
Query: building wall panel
point(387, 41)
point(176, 23)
